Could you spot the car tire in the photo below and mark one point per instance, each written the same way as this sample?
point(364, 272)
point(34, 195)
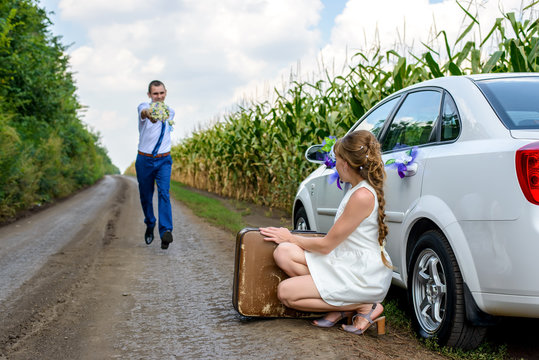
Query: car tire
point(300, 220)
point(436, 294)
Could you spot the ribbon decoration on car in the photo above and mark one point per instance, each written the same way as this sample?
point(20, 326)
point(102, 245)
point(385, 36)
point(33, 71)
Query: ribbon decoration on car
point(402, 161)
point(329, 159)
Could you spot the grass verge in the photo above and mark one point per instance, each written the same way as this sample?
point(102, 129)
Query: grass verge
point(210, 209)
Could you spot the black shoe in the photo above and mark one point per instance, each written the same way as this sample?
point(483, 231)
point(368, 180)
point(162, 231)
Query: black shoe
point(148, 236)
point(166, 239)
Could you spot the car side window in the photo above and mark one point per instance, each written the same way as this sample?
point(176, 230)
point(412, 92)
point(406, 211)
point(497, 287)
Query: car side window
point(375, 120)
point(450, 120)
point(414, 121)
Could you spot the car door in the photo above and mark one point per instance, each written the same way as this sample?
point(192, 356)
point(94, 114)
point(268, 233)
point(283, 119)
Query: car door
point(327, 197)
point(412, 126)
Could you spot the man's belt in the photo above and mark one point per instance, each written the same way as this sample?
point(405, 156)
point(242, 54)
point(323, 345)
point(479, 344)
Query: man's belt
point(156, 156)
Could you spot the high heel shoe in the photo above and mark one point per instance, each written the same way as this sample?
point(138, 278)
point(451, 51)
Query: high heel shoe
point(325, 323)
point(379, 322)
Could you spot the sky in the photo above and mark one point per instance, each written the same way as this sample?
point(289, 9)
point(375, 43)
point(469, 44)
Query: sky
point(214, 55)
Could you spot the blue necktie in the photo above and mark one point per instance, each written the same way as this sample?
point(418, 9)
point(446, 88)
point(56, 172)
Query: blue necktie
point(156, 148)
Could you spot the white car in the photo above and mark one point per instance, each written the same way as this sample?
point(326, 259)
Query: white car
point(464, 220)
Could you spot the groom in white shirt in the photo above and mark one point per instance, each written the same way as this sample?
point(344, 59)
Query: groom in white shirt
point(154, 165)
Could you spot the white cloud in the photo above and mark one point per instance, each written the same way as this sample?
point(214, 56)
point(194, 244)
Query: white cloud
point(203, 50)
point(107, 120)
point(211, 54)
point(365, 25)
point(106, 69)
point(410, 23)
point(95, 10)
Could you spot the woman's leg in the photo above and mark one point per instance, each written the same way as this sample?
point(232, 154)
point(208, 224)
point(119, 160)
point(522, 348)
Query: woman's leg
point(360, 322)
point(300, 293)
point(291, 259)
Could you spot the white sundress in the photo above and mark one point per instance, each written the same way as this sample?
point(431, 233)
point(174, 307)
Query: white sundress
point(353, 273)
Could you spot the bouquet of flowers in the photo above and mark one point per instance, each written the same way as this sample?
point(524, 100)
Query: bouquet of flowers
point(159, 111)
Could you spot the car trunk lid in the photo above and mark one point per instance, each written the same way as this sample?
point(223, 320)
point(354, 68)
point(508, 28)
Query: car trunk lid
point(532, 134)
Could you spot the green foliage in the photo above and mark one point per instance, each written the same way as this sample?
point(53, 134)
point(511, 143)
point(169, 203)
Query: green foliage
point(257, 152)
point(45, 150)
point(396, 316)
point(208, 208)
point(485, 351)
point(395, 306)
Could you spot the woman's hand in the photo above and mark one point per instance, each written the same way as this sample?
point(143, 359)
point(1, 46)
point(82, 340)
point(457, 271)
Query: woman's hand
point(277, 235)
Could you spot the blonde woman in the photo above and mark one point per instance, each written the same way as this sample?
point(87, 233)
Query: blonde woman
point(347, 272)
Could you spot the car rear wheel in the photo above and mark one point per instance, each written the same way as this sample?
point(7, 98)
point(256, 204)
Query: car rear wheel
point(300, 220)
point(436, 294)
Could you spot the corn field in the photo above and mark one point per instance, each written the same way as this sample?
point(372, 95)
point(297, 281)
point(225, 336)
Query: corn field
point(256, 153)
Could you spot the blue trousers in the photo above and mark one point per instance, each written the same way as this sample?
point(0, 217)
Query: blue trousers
point(150, 171)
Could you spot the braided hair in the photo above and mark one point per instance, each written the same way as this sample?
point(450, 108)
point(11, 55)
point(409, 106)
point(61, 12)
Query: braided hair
point(361, 151)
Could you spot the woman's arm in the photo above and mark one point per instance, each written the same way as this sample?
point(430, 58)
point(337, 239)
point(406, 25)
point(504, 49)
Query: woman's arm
point(357, 209)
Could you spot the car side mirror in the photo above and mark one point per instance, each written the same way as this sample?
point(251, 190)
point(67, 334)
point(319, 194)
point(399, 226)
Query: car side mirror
point(314, 155)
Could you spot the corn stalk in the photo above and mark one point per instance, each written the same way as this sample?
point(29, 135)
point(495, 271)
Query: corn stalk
point(257, 152)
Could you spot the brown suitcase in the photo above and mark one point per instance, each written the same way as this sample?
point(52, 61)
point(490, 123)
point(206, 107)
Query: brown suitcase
point(256, 277)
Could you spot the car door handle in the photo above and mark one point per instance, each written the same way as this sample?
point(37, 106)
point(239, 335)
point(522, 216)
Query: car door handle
point(411, 170)
point(326, 211)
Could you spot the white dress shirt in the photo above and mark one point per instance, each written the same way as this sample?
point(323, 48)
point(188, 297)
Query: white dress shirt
point(149, 132)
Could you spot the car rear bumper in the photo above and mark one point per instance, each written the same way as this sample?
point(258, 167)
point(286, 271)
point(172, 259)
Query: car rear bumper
point(508, 305)
point(501, 269)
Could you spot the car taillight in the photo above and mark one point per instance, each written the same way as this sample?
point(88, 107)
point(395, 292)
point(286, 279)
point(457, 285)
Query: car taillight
point(527, 162)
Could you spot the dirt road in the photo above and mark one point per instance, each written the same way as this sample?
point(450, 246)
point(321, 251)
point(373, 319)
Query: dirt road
point(77, 281)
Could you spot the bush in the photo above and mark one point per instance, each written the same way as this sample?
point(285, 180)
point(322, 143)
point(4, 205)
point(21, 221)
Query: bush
point(45, 150)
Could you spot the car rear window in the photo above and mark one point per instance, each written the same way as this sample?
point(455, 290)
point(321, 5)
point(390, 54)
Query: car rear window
point(514, 100)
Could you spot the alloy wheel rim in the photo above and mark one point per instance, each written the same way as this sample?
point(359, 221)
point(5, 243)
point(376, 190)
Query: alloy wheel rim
point(429, 291)
point(301, 224)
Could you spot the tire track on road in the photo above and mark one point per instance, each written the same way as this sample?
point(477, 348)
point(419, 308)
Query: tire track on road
point(45, 297)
